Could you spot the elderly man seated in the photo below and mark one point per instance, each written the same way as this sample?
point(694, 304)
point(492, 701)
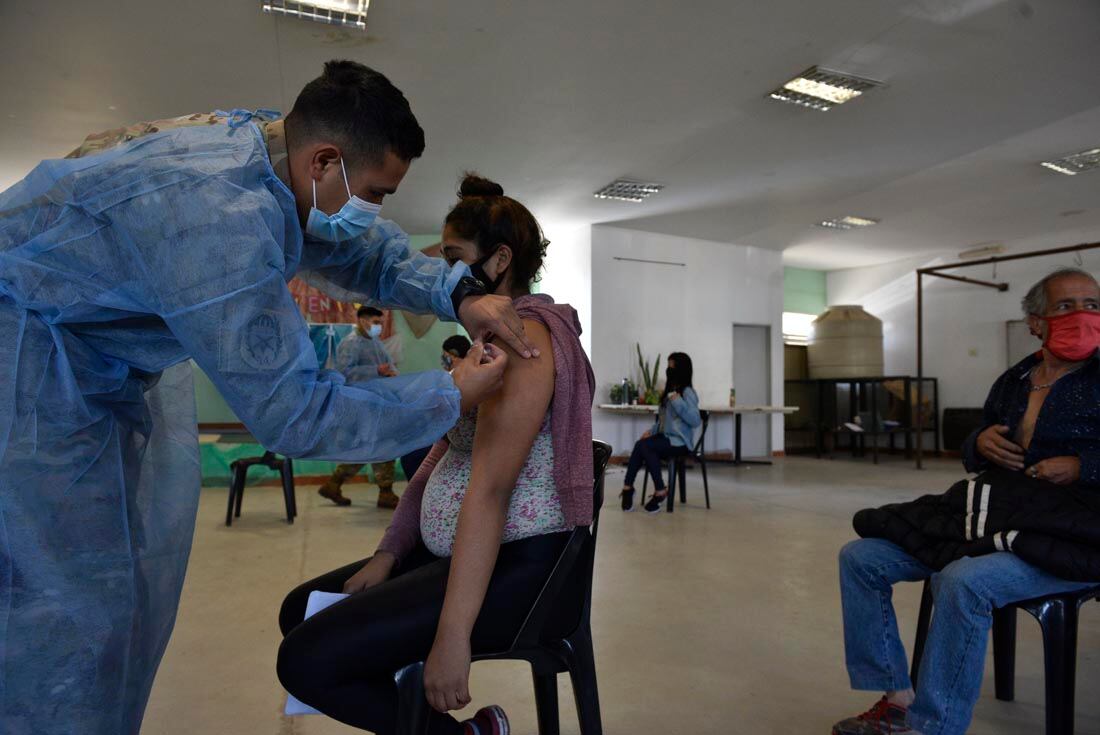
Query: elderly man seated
point(1042, 426)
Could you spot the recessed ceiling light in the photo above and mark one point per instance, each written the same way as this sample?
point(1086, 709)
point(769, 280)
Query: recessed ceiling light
point(821, 89)
point(352, 13)
point(847, 223)
point(1075, 163)
point(624, 190)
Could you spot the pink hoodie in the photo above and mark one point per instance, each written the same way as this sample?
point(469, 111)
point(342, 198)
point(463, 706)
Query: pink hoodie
point(570, 429)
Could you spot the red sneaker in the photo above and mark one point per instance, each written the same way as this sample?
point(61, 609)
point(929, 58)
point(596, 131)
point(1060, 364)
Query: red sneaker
point(884, 718)
point(488, 721)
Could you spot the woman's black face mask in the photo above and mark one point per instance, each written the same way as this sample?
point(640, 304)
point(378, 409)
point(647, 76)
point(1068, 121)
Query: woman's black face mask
point(492, 284)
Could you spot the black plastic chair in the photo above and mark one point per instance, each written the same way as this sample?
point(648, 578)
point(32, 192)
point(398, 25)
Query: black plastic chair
point(678, 468)
point(548, 657)
point(1057, 616)
point(239, 470)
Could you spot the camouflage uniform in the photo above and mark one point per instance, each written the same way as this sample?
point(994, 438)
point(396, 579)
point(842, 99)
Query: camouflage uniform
point(383, 477)
point(99, 142)
point(271, 130)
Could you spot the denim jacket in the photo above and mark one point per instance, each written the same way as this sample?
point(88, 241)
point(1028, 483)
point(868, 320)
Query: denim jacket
point(1068, 423)
point(681, 418)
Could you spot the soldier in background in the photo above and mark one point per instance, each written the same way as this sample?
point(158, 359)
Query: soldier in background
point(361, 356)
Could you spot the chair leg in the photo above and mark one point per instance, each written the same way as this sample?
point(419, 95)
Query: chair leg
point(1058, 618)
point(240, 491)
point(413, 710)
point(582, 671)
point(923, 621)
point(671, 503)
point(645, 484)
point(1004, 653)
point(706, 488)
point(681, 468)
point(290, 479)
point(546, 703)
point(288, 489)
point(233, 490)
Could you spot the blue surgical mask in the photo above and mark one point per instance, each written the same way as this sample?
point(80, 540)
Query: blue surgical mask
point(353, 219)
point(375, 331)
point(448, 362)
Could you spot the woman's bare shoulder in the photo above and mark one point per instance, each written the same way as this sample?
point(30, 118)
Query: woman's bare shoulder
point(535, 368)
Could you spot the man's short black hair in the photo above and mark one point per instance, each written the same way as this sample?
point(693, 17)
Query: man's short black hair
point(365, 311)
point(457, 344)
point(360, 110)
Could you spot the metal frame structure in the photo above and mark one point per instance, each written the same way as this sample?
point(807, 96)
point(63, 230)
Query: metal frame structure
point(935, 271)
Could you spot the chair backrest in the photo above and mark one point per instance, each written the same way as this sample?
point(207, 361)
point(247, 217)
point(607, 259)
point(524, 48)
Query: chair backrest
point(705, 416)
point(601, 455)
point(577, 558)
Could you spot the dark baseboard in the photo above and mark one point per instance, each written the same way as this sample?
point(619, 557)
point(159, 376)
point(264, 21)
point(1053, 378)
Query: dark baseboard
point(622, 459)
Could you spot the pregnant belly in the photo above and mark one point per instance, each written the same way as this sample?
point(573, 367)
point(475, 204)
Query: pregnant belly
point(534, 508)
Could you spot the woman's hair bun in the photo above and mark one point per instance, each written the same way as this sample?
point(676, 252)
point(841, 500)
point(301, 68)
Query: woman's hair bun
point(474, 185)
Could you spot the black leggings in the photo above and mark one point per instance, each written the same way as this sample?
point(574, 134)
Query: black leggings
point(342, 660)
point(649, 452)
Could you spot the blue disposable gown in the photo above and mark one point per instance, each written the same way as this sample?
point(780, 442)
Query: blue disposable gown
point(114, 269)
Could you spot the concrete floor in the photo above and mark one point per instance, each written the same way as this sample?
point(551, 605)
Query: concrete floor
point(720, 621)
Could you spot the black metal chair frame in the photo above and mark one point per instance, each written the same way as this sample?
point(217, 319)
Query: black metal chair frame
point(572, 654)
point(678, 467)
point(1058, 617)
point(239, 470)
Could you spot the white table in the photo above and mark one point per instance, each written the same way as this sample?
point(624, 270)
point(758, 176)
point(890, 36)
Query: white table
point(736, 411)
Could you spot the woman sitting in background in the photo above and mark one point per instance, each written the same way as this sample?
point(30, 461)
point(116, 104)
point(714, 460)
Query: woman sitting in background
point(672, 435)
point(480, 526)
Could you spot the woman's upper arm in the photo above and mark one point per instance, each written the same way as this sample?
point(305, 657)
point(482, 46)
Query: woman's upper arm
point(508, 423)
point(689, 408)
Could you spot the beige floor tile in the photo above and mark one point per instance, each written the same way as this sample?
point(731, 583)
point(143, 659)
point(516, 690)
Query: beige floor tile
point(721, 621)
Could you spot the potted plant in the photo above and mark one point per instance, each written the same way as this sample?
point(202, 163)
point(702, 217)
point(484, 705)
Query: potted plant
point(617, 393)
point(651, 396)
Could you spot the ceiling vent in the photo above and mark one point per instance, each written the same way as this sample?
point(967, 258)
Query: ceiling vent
point(624, 190)
point(847, 223)
point(821, 89)
point(1076, 163)
point(982, 251)
point(350, 13)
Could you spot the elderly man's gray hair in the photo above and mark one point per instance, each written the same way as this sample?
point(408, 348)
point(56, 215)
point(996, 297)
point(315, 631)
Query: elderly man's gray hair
point(1035, 303)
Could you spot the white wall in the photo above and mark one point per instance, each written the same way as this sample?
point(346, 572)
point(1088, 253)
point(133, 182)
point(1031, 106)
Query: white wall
point(965, 342)
point(567, 272)
point(689, 309)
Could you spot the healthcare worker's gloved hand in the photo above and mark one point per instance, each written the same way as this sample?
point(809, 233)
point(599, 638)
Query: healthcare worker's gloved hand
point(487, 316)
point(480, 374)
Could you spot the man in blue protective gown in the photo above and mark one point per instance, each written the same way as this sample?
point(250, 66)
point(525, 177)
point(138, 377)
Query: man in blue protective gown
point(174, 240)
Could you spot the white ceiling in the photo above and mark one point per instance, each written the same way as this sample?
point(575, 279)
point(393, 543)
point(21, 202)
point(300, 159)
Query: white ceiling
point(555, 99)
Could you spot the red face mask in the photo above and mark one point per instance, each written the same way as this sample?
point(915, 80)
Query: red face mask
point(1073, 337)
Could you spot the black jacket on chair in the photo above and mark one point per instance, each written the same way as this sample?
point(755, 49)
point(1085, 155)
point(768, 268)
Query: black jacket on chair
point(1054, 527)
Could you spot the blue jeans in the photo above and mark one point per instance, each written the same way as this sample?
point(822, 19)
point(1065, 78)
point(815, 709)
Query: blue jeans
point(649, 452)
point(965, 594)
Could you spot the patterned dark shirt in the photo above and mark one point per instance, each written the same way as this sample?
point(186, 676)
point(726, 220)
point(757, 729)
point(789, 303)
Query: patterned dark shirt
point(1068, 423)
